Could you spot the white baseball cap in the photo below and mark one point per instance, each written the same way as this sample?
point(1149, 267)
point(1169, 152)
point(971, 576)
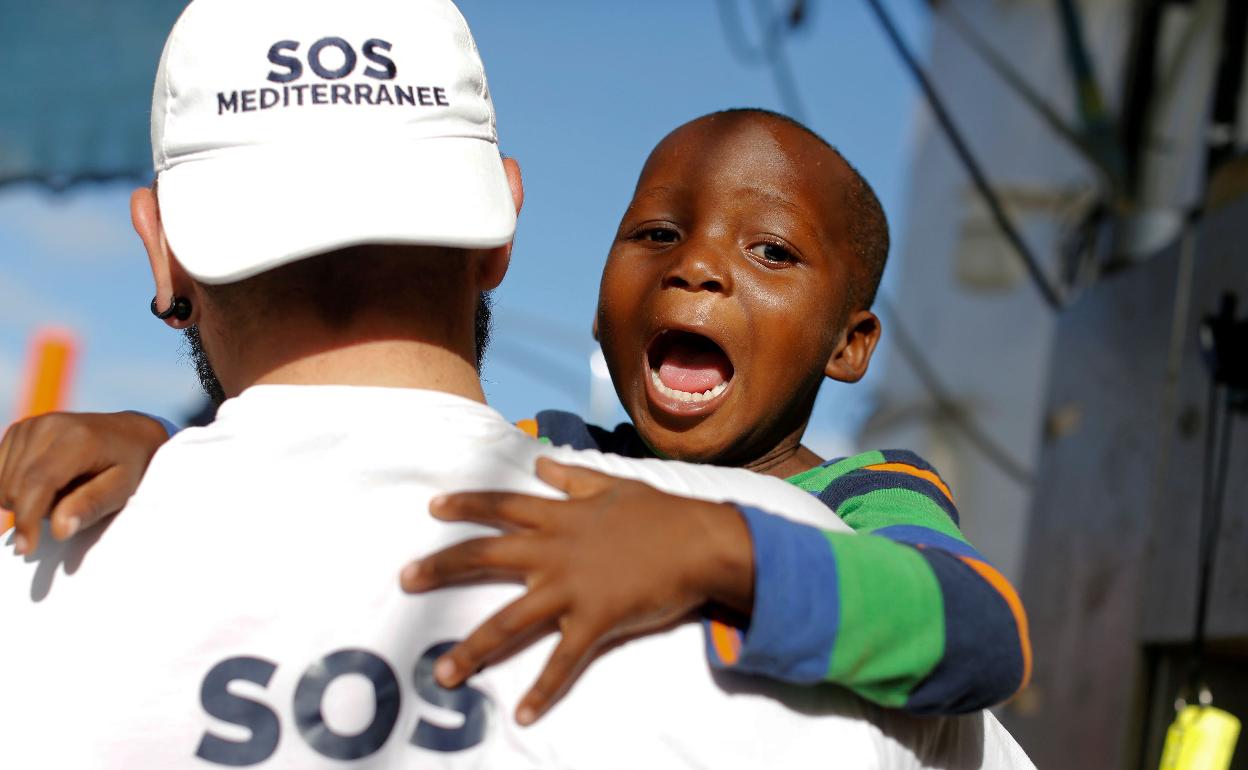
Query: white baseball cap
point(282, 129)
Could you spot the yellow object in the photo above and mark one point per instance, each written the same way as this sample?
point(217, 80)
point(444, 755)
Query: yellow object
point(1200, 738)
point(46, 384)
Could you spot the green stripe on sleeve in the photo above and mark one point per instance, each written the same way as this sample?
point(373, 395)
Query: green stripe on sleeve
point(890, 507)
point(818, 478)
point(891, 633)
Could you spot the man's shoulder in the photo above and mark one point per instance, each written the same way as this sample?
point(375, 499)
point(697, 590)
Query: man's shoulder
point(708, 482)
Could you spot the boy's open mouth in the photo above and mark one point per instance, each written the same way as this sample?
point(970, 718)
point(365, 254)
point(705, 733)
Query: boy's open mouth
point(687, 371)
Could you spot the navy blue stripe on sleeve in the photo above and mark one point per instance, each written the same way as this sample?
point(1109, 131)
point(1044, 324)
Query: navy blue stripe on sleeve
point(796, 601)
point(982, 664)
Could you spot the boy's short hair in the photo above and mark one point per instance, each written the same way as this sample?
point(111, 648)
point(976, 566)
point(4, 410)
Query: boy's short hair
point(867, 226)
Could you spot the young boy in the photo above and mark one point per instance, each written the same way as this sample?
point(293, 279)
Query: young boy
point(741, 276)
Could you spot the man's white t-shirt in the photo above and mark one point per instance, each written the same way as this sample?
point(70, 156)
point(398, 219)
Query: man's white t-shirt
point(244, 610)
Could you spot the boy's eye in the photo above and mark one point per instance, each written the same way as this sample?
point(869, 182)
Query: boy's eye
point(772, 252)
point(659, 235)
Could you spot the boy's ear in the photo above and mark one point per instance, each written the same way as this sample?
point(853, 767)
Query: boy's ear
point(851, 357)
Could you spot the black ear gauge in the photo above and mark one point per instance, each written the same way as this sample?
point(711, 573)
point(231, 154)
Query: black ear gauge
point(179, 308)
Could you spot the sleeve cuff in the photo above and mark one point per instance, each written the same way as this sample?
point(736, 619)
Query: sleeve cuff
point(170, 428)
point(796, 605)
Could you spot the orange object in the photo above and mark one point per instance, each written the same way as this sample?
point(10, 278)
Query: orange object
point(727, 642)
point(45, 386)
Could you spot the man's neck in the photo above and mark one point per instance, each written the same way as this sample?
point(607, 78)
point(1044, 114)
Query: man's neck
point(381, 363)
point(380, 350)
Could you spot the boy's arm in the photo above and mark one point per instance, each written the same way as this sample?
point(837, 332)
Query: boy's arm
point(74, 470)
point(566, 429)
point(618, 558)
point(906, 612)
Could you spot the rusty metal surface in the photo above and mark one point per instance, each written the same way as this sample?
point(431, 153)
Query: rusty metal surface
point(1088, 539)
point(1111, 551)
point(1222, 265)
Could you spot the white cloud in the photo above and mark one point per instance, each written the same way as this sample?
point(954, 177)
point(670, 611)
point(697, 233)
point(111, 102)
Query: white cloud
point(164, 387)
point(72, 228)
point(24, 305)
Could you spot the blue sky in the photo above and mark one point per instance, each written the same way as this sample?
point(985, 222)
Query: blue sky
point(583, 91)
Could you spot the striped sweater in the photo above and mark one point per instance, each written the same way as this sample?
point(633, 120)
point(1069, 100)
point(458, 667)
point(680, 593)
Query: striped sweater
point(903, 611)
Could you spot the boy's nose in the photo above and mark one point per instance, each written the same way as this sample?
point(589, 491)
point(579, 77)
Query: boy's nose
point(697, 269)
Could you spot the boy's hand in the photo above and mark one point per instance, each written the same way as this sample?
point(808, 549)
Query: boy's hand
point(73, 469)
point(617, 559)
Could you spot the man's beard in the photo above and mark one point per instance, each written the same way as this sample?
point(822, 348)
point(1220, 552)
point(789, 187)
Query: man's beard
point(203, 368)
point(482, 325)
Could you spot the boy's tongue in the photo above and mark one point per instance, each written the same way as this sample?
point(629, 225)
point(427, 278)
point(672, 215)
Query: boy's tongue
point(694, 370)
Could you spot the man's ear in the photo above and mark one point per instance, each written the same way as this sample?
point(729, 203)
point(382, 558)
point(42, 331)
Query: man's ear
point(494, 266)
point(170, 278)
point(852, 356)
point(516, 181)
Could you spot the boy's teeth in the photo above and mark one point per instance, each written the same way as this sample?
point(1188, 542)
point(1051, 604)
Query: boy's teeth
point(681, 395)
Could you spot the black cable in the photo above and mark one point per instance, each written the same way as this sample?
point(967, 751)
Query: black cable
point(1224, 340)
point(734, 31)
point(1050, 293)
point(770, 52)
point(1207, 475)
point(1218, 430)
point(996, 62)
point(993, 452)
point(776, 54)
point(1229, 85)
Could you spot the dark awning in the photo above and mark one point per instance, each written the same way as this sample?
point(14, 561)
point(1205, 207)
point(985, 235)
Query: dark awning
point(77, 85)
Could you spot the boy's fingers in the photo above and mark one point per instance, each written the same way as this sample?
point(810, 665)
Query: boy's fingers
point(39, 475)
point(508, 630)
point(31, 505)
point(504, 510)
point(573, 479)
point(87, 505)
point(9, 457)
point(565, 665)
point(482, 559)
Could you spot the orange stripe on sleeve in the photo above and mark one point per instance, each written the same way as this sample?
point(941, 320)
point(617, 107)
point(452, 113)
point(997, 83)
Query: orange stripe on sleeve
point(528, 426)
point(1003, 587)
point(913, 471)
point(727, 642)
